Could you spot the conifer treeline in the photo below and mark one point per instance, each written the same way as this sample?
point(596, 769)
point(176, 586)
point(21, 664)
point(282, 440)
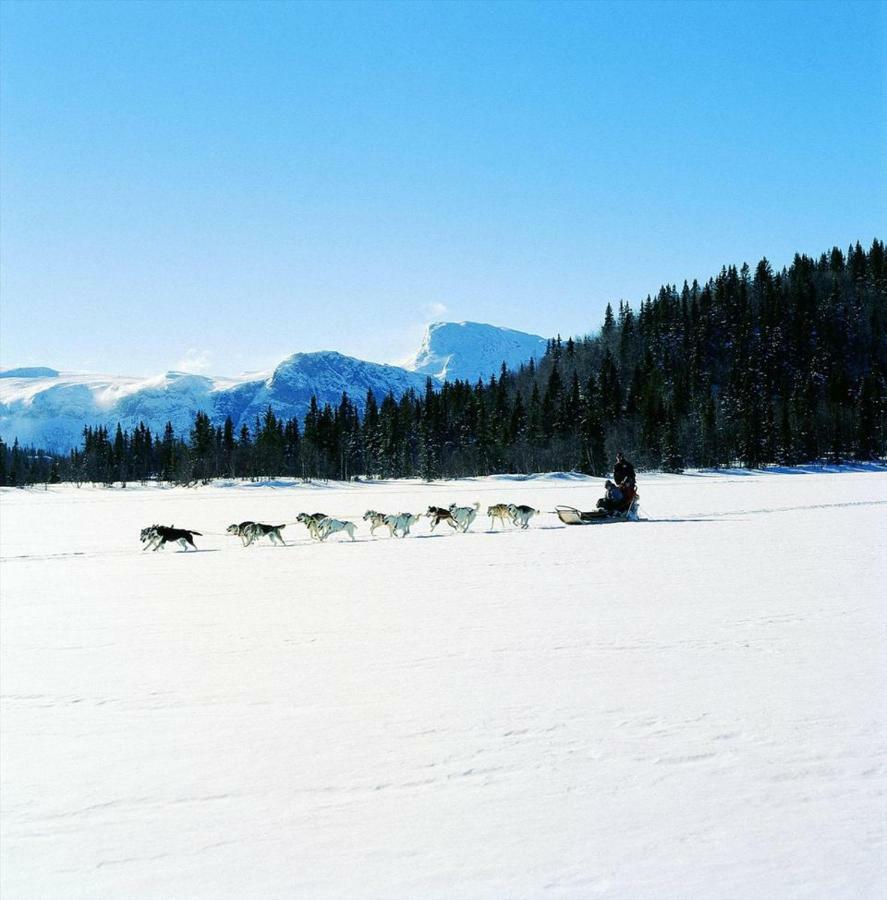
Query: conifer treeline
point(750, 368)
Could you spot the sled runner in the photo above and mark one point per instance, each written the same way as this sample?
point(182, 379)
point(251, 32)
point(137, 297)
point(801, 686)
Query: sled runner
point(571, 516)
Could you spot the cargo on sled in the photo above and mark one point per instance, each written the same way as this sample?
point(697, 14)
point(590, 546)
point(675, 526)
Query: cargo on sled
point(604, 513)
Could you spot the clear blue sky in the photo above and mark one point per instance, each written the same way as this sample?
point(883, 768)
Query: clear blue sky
point(220, 185)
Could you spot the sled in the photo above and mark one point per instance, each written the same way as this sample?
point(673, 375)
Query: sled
point(571, 516)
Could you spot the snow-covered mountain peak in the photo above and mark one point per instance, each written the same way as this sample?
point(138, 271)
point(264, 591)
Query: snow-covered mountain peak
point(313, 357)
point(471, 350)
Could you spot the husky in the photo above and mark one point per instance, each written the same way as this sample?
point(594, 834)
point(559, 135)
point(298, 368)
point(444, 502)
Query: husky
point(310, 521)
point(158, 536)
point(252, 531)
point(499, 511)
point(241, 530)
point(402, 522)
point(376, 520)
point(464, 515)
point(328, 526)
point(521, 515)
point(438, 514)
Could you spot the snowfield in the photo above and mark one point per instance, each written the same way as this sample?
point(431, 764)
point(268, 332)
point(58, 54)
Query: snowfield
point(691, 706)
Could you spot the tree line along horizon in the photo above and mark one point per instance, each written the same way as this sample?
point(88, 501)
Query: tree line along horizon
point(751, 368)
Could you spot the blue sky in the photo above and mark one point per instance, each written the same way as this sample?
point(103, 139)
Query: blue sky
point(215, 186)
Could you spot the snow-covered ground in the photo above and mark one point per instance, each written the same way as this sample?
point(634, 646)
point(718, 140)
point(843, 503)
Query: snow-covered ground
point(692, 706)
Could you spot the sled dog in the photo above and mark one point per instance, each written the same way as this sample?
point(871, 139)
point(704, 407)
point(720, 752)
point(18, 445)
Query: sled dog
point(499, 511)
point(521, 515)
point(328, 526)
point(158, 536)
point(310, 521)
point(252, 531)
point(402, 522)
point(438, 514)
point(376, 520)
point(241, 530)
point(464, 515)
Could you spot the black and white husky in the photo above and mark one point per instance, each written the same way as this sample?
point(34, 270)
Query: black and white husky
point(158, 536)
point(439, 514)
point(464, 515)
point(252, 531)
point(521, 515)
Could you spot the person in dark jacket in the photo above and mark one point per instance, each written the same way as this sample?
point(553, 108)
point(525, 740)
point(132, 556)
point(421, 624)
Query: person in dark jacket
point(623, 470)
point(619, 496)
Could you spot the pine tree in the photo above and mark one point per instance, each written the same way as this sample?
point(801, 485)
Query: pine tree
point(168, 460)
point(868, 417)
point(16, 467)
point(120, 455)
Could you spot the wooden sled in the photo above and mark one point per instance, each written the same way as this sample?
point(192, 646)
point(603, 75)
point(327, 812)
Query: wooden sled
point(571, 516)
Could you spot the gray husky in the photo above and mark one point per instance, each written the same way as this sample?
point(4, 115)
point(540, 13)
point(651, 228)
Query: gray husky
point(252, 531)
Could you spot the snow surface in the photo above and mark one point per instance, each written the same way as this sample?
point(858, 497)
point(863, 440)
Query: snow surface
point(472, 350)
point(692, 706)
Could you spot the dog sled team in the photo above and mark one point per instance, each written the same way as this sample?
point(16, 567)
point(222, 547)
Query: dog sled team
point(620, 502)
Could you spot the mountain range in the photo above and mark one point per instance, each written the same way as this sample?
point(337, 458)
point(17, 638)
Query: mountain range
point(47, 408)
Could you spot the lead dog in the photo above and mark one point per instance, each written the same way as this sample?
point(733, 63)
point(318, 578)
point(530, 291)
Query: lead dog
point(158, 536)
point(521, 515)
point(438, 514)
point(402, 522)
point(252, 531)
point(327, 526)
point(464, 515)
point(499, 511)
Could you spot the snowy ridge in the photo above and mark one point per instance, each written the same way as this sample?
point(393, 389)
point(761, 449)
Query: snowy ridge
point(51, 412)
point(46, 408)
point(327, 375)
